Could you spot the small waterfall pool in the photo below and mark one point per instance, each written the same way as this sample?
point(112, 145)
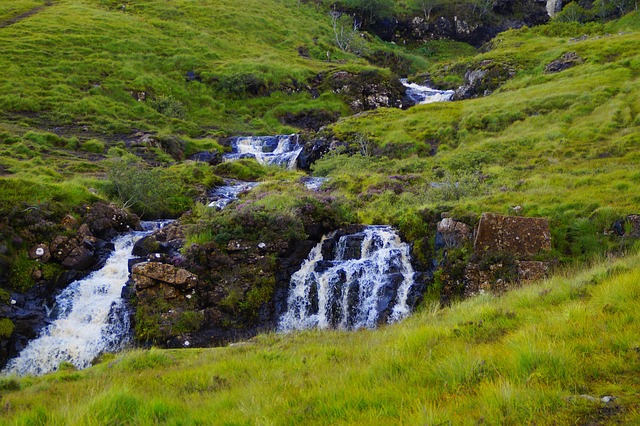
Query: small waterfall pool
point(279, 150)
point(91, 316)
point(424, 94)
point(353, 281)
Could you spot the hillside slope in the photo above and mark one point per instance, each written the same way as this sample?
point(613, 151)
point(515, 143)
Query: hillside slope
point(565, 351)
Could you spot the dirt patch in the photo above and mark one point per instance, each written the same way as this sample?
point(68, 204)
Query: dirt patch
point(25, 15)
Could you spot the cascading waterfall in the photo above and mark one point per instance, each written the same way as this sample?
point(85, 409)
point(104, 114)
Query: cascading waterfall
point(280, 150)
point(365, 279)
point(426, 95)
point(92, 318)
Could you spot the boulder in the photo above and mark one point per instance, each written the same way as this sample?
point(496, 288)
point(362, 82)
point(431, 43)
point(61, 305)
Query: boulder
point(40, 253)
point(532, 270)
point(148, 274)
point(483, 79)
point(366, 90)
point(62, 246)
point(634, 225)
point(451, 233)
point(106, 220)
point(566, 61)
point(521, 237)
point(80, 258)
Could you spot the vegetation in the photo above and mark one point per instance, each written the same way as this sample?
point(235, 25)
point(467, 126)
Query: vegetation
point(544, 354)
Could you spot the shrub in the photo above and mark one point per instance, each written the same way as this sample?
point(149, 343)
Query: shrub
point(6, 328)
point(94, 146)
point(169, 106)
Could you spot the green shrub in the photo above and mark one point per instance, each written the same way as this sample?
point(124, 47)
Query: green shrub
point(94, 146)
point(6, 328)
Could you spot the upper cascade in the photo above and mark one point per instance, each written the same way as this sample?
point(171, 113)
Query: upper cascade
point(91, 317)
point(353, 281)
point(279, 150)
point(426, 95)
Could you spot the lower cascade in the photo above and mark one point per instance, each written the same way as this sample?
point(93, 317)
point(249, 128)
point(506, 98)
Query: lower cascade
point(426, 95)
point(360, 281)
point(92, 317)
point(280, 150)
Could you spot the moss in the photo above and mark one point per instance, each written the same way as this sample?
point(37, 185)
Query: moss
point(6, 328)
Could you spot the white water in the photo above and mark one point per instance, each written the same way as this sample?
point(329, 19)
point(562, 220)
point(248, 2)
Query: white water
point(92, 318)
point(314, 183)
point(223, 195)
point(426, 95)
point(281, 150)
point(352, 293)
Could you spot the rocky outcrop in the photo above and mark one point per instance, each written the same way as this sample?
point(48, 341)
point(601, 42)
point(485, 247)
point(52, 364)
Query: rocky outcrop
point(105, 221)
point(521, 237)
point(451, 233)
point(483, 79)
point(504, 252)
point(553, 7)
point(61, 252)
point(366, 90)
point(566, 61)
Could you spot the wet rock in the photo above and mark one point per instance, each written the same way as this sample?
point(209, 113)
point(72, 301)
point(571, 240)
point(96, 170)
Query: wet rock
point(566, 61)
point(61, 247)
point(484, 79)
point(105, 221)
point(145, 246)
point(522, 237)
point(451, 233)
point(80, 258)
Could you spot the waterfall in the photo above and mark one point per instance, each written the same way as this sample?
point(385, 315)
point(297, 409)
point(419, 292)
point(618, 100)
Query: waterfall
point(426, 95)
point(221, 196)
point(92, 317)
point(280, 150)
point(358, 281)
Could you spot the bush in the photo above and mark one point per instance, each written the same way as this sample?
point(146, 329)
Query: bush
point(169, 106)
point(94, 146)
point(6, 328)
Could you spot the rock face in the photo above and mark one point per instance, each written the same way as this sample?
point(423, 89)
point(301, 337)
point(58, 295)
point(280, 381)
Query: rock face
point(522, 237)
point(366, 90)
point(566, 61)
point(484, 79)
point(505, 247)
point(451, 233)
point(106, 220)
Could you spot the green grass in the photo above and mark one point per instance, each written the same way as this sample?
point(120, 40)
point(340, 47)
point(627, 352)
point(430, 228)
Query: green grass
point(525, 357)
point(562, 146)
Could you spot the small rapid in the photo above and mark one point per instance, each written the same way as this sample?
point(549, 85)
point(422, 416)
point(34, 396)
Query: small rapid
point(223, 195)
point(91, 317)
point(279, 150)
point(426, 95)
point(352, 281)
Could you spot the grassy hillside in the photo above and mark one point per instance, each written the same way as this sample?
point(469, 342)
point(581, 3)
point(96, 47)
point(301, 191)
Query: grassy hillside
point(544, 355)
point(563, 146)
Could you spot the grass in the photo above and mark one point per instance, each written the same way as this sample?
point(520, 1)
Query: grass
point(561, 146)
point(526, 357)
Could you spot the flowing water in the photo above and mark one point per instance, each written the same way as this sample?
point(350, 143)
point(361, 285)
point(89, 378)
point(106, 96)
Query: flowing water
point(426, 95)
point(280, 150)
point(360, 281)
point(92, 317)
point(314, 183)
point(223, 195)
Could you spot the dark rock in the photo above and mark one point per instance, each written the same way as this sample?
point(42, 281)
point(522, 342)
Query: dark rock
point(192, 76)
point(61, 247)
point(366, 90)
point(352, 246)
point(634, 225)
point(484, 79)
point(79, 259)
point(106, 220)
point(521, 237)
point(310, 119)
point(566, 61)
point(145, 246)
point(40, 253)
point(211, 157)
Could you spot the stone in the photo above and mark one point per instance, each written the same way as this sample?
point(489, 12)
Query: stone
point(61, 247)
point(40, 253)
point(521, 237)
point(79, 259)
point(529, 271)
point(452, 233)
point(634, 225)
point(237, 245)
point(566, 61)
point(106, 220)
point(146, 273)
point(69, 222)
